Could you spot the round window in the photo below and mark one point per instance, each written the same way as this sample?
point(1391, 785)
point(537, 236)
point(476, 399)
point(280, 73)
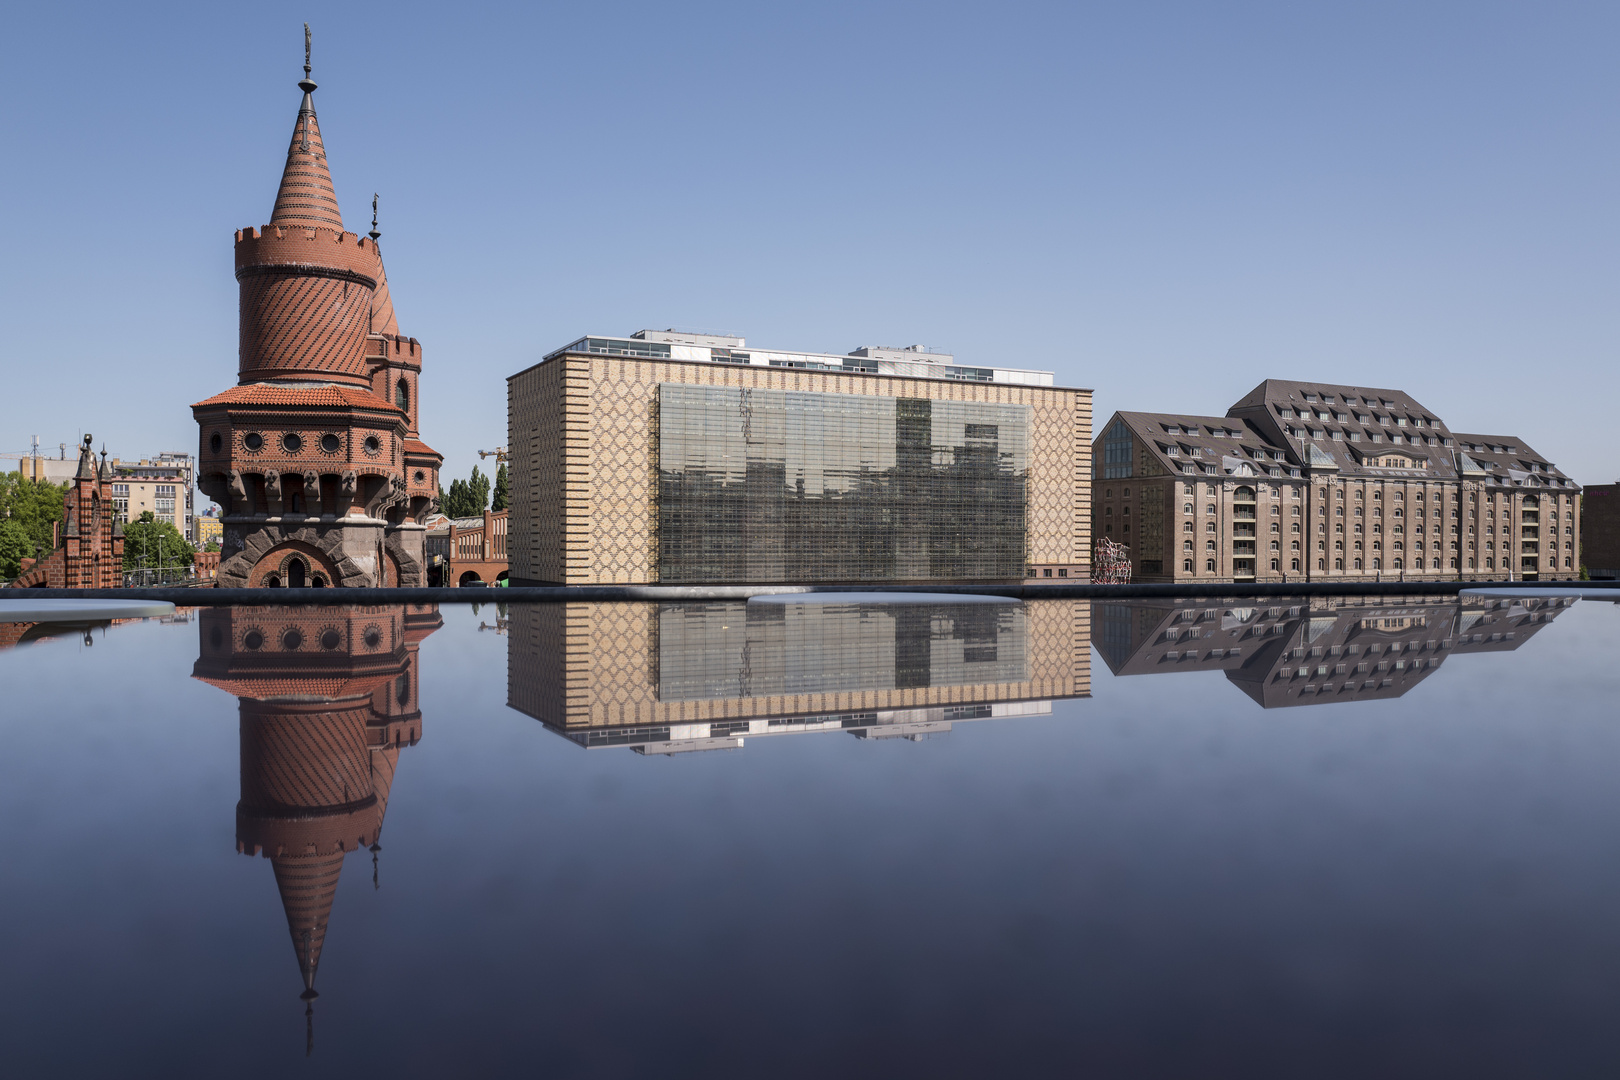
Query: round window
point(214, 442)
point(291, 443)
point(373, 444)
point(330, 443)
point(331, 639)
point(253, 640)
point(253, 441)
point(420, 476)
point(291, 640)
point(373, 637)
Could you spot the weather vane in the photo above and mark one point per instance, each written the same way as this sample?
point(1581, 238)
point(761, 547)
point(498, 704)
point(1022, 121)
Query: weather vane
point(374, 233)
point(306, 50)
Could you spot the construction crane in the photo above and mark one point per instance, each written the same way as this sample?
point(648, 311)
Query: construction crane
point(499, 453)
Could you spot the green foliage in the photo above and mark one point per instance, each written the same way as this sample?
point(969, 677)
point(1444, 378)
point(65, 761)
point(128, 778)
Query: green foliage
point(502, 491)
point(212, 545)
point(1586, 575)
point(147, 540)
point(467, 498)
point(16, 544)
point(30, 507)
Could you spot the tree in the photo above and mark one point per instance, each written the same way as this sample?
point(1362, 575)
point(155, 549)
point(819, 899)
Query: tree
point(212, 545)
point(502, 492)
point(34, 505)
point(151, 542)
point(16, 544)
point(467, 498)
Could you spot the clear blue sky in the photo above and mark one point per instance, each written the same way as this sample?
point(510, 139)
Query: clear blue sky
point(1164, 202)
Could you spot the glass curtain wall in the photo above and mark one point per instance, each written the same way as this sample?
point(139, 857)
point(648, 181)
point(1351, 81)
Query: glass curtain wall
point(785, 486)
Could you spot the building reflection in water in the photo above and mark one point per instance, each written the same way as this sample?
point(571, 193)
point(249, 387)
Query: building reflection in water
point(667, 678)
point(1318, 650)
point(327, 697)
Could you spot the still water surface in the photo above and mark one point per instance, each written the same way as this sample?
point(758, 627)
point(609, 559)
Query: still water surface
point(1326, 838)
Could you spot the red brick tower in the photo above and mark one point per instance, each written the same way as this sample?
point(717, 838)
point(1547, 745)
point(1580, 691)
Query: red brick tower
point(315, 455)
point(327, 697)
point(89, 552)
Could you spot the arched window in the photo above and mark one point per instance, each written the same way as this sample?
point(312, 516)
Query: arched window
point(1378, 564)
point(1274, 564)
point(1358, 564)
point(1295, 565)
point(1209, 545)
point(1186, 545)
point(1209, 565)
point(295, 574)
point(1187, 566)
point(402, 395)
point(1338, 564)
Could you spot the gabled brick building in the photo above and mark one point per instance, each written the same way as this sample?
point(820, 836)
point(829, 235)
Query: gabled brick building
point(1319, 482)
point(315, 455)
point(89, 551)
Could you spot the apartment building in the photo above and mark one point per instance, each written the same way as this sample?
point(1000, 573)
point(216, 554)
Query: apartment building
point(1321, 482)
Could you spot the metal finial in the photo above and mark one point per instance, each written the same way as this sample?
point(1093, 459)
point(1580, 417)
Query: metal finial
point(374, 233)
point(306, 84)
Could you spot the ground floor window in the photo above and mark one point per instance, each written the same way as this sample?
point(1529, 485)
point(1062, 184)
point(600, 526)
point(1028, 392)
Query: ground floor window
point(1186, 565)
point(1209, 565)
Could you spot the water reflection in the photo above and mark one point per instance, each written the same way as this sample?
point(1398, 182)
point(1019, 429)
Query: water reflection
point(1319, 650)
point(327, 698)
point(668, 678)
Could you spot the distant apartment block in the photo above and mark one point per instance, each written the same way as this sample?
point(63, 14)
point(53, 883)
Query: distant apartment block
point(1320, 482)
point(163, 485)
point(679, 458)
point(1600, 522)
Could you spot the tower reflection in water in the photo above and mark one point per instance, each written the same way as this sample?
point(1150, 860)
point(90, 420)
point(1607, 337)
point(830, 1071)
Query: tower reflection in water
point(327, 698)
point(669, 678)
point(1317, 650)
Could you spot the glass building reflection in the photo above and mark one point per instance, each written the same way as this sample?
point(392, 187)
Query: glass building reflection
point(1317, 650)
point(667, 678)
point(327, 698)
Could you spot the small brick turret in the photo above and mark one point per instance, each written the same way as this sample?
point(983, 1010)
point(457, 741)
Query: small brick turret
point(89, 548)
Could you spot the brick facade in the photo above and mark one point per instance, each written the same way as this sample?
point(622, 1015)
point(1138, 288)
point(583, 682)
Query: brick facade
point(316, 456)
point(1293, 484)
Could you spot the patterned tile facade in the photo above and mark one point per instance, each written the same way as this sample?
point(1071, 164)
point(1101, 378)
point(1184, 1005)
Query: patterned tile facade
point(583, 437)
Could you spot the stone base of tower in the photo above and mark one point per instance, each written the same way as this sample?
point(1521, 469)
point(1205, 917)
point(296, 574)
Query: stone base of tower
point(346, 553)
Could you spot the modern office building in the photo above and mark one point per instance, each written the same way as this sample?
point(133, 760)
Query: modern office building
point(667, 678)
point(679, 458)
point(1600, 531)
point(315, 455)
point(1318, 482)
point(1316, 650)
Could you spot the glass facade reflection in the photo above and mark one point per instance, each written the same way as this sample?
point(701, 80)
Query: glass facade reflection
point(774, 485)
point(710, 651)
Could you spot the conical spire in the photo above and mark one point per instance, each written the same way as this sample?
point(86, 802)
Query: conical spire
point(308, 886)
point(87, 462)
point(306, 196)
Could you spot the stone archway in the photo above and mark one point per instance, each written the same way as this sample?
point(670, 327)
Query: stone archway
point(242, 570)
point(293, 564)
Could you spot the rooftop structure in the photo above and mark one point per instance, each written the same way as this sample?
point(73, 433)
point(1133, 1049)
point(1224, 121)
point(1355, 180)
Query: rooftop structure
point(913, 361)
